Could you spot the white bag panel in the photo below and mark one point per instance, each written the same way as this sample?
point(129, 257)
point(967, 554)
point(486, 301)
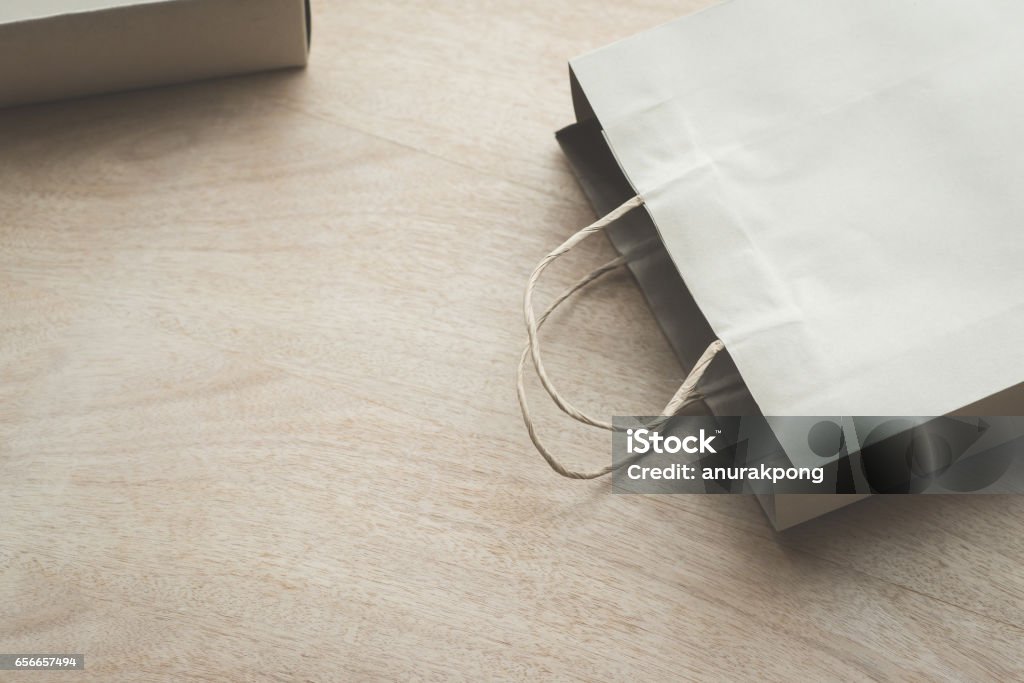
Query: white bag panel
point(836, 183)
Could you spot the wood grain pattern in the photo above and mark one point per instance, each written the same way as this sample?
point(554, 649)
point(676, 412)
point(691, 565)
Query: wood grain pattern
point(257, 417)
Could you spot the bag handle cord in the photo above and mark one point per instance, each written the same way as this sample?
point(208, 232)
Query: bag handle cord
point(682, 397)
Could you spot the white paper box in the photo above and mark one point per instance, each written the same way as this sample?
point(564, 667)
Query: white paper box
point(53, 49)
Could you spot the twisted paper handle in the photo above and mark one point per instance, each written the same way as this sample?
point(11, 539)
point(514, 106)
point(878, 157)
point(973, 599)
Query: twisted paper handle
point(684, 395)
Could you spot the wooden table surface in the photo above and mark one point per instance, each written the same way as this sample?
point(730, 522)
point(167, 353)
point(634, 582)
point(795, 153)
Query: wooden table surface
point(258, 421)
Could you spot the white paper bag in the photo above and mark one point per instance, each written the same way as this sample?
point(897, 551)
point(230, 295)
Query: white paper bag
point(836, 183)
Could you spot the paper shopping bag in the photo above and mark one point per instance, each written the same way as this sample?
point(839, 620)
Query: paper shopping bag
point(833, 184)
